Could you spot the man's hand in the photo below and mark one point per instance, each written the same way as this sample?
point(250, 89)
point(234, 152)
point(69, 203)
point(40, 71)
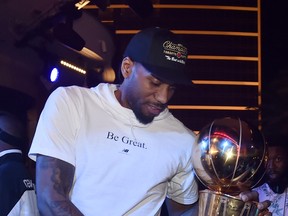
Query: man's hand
point(253, 196)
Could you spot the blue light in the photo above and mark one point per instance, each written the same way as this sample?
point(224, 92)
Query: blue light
point(54, 75)
point(204, 144)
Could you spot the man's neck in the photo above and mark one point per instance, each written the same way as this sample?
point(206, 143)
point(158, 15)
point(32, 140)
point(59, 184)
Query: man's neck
point(278, 187)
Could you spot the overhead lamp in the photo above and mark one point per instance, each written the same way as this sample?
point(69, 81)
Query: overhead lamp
point(102, 4)
point(79, 5)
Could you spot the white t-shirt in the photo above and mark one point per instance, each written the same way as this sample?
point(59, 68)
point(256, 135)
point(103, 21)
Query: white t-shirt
point(279, 202)
point(122, 167)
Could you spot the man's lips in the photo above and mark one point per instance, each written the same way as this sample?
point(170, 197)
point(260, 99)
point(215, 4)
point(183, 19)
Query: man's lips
point(155, 109)
point(272, 174)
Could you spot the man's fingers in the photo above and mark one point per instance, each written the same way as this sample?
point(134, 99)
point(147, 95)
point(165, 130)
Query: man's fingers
point(253, 196)
point(264, 205)
point(249, 196)
point(265, 213)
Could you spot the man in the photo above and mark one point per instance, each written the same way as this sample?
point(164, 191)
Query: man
point(275, 187)
point(17, 194)
point(116, 149)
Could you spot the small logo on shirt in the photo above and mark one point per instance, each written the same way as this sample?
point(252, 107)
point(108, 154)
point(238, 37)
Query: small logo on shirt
point(125, 151)
point(28, 183)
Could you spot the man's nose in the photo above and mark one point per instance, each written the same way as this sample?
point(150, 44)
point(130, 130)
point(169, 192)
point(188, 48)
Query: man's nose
point(270, 164)
point(162, 94)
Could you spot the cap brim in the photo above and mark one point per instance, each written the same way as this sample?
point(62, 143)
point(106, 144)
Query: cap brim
point(170, 76)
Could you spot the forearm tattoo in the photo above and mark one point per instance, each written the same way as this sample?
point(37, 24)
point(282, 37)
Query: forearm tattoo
point(61, 175)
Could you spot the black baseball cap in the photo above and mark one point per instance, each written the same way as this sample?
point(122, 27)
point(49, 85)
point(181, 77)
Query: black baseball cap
point(161, 52)
point(12, 130)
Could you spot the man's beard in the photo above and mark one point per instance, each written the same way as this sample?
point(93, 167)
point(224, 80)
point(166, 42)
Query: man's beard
point(141, 117)
point(144, 119)
point(136, 106)
point(278, 185)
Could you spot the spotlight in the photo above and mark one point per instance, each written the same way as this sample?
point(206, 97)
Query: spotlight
point(50, 76)
point(51, 66)
point(52, 71)
point(54, 74)
point(56, 70)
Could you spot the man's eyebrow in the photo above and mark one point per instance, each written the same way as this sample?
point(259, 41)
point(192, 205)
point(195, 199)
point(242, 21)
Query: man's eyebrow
point(163, 81)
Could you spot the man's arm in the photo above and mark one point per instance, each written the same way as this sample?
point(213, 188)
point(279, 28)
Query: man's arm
point(54, 179)
point(177, 209)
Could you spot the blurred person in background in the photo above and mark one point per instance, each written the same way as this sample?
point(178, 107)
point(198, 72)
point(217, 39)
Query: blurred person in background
point(17, 194)
point(275, 186)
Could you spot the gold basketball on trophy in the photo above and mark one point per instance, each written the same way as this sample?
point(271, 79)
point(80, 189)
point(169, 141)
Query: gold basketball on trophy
point(228, 158)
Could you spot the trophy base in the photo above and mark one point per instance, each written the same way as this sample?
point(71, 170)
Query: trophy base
point(216, 204)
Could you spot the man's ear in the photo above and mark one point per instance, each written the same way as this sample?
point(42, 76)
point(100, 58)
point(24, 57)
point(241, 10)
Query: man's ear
point(126, 67)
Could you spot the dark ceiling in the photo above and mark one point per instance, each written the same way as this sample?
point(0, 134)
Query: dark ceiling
point(26, 60)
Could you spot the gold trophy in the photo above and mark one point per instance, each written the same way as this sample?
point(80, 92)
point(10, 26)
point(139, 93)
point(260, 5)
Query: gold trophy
point(228, 158)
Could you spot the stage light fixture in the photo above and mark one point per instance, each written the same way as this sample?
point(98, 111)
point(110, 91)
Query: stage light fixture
point(62, 73)
point(56, 70)
point(64, 33)
point(82, 3)
point(51, 71)
point(51, 68)
point(54, 74)
point(72, 67)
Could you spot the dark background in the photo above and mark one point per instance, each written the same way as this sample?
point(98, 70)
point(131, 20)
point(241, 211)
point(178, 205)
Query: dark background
point(275, 68)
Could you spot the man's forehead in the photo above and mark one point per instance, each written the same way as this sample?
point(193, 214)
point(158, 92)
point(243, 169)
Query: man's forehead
point(279, 150)
point(169, 82)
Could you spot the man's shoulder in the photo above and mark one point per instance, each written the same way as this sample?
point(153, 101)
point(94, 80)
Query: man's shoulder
point(71, 93)
point(175, 122)
point(70, 89)
point(80, 90)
